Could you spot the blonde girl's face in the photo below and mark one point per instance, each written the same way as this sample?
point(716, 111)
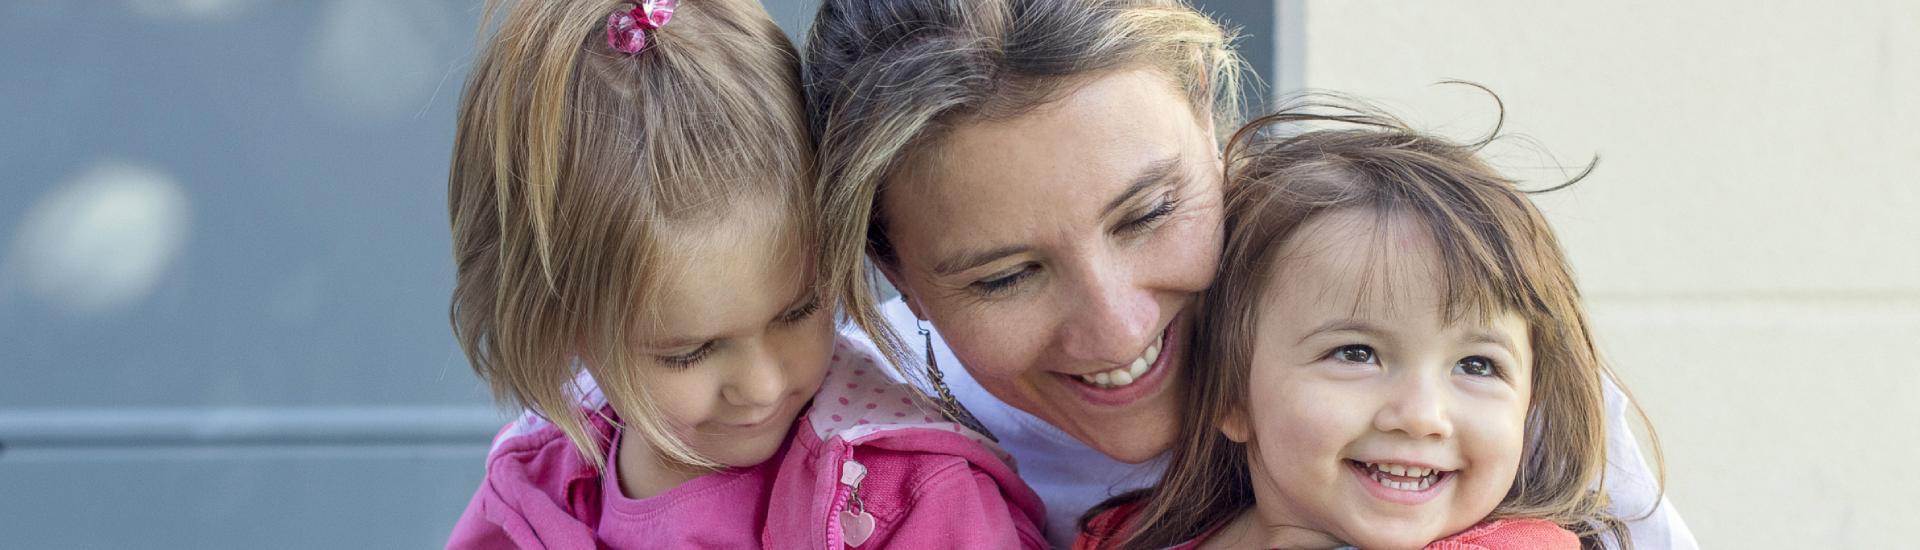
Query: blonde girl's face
point(1370, 418)
point(743, 341)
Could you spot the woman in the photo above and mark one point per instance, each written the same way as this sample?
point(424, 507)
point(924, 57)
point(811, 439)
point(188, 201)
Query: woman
point(1041, 182)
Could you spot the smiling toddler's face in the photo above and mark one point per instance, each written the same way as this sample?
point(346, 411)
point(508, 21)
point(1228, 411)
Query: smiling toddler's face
point(1371, 417)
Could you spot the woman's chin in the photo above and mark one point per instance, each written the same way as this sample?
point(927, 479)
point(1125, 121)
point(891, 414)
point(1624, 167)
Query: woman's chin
point(1139, 433)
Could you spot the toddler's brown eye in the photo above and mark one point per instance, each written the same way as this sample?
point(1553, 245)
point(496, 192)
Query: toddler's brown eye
point(1476, 366)
point(1355, 354)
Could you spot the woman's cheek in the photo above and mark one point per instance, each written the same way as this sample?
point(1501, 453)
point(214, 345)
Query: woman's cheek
point(1191, 250)
point(1006, 341)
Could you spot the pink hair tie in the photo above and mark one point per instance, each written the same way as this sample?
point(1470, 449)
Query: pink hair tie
point(627, 28)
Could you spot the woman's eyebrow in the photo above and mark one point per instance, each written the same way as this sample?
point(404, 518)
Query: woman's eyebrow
point(1153, 174)
point(965, 261)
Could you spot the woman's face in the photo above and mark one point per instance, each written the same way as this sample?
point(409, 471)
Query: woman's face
point(1058, 253)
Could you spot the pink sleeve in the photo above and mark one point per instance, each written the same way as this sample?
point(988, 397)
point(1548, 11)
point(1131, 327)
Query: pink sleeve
point(473, 531)
point(961, 507)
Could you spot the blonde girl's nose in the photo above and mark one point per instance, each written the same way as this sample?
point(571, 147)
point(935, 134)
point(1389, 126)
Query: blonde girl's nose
point(759, 380)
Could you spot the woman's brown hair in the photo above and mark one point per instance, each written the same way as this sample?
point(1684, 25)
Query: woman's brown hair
point(885, 79)
point(1497, 252)
point(571, 161)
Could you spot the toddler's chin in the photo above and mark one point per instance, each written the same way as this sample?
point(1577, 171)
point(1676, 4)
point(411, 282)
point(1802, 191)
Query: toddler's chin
point(1390, 536)
point(1392, 541)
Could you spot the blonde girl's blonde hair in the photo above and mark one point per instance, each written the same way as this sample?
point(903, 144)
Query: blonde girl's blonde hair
point(1497, 254)
point(573, 160)
point(885, 79)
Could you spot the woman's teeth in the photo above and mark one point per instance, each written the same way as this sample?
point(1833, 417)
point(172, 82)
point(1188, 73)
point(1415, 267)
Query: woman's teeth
point(1125, 376)
point(1423, 477)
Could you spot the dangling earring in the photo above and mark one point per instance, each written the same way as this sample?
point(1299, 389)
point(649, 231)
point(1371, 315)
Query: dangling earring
point(952, 407)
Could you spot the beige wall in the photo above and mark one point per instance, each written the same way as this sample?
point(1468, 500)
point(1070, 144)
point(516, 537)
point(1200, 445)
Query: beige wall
point(1749, 243)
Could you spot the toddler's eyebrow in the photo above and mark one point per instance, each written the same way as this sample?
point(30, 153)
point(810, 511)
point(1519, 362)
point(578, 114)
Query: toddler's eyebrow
point(1343, 325)
point(1484, 336)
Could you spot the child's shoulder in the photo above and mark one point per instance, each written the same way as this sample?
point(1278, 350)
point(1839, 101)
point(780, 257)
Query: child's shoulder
point(1103, 529)
point(1514, 533)
point(534, 452)
point(861, 401)
point(915, 472)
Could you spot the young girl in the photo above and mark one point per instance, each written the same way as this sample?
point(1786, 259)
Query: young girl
point(630, 205)
point(1394, 356)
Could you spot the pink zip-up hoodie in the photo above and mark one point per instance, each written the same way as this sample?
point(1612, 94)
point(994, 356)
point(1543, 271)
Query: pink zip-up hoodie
point(869, 464)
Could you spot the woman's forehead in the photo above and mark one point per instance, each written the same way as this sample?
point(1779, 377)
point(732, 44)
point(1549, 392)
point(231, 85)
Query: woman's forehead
point(1071, 162)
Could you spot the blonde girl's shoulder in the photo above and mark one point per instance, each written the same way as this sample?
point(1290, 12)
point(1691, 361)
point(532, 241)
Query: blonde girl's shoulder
point(862, 397)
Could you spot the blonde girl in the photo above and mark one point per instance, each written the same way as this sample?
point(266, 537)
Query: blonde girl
point(1394, 355)
point(636, 257)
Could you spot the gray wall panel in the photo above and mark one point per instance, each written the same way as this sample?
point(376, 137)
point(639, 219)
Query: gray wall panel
point(224, 273)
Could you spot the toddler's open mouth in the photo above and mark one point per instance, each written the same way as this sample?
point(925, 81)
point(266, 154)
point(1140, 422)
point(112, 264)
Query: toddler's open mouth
point(1400, 477)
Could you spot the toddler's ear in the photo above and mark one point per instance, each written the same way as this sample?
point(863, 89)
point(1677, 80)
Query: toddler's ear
point(1236, 426)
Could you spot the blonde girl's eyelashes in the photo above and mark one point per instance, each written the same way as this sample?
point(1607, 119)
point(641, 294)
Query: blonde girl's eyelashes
point(688, 359)
point(1355, 353)
point(1478, 365)
point(801, 313)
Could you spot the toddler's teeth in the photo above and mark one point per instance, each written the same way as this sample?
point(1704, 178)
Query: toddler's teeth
point(1122, 378)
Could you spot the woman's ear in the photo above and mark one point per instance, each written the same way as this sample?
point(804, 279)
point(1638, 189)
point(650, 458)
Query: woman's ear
point(892, 274)
point(1236, 426)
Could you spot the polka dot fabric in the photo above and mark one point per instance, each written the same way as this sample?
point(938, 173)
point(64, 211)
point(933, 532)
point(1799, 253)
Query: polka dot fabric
point(858, 399)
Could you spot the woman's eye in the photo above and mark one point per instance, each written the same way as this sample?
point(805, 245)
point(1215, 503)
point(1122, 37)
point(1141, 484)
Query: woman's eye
point(1159, 212)
point(1356, 354)
point(1002, 283)
point(688, 359)
point(1476, 366)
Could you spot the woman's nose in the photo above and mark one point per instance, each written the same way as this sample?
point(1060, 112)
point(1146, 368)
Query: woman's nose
point(1112, 322)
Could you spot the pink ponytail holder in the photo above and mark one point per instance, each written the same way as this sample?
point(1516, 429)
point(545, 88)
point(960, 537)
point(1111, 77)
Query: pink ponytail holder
point(627, 28)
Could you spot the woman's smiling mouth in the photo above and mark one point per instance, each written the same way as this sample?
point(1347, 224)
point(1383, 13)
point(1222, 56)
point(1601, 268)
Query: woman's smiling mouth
point(1140, 378)
point(1125, 376)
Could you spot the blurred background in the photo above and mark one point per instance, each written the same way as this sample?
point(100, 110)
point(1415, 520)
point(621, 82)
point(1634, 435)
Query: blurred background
point(224, 269)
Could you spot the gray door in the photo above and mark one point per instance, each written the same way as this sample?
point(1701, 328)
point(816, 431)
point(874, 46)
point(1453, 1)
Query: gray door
point(224, 273)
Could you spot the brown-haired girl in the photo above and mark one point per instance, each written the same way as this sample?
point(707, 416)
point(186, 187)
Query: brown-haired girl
point(1393, 356)
point(636, 255)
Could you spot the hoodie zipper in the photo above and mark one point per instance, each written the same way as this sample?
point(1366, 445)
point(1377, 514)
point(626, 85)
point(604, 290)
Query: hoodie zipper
point(855, 524)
